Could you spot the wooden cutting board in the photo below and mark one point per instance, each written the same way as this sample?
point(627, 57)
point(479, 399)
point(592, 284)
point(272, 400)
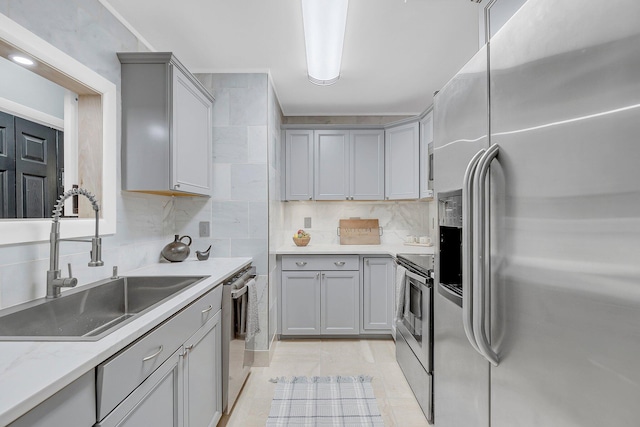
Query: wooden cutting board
point(359, 232)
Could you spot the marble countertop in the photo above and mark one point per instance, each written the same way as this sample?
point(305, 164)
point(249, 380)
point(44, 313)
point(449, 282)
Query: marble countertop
point(31, 372)
point(382, 249)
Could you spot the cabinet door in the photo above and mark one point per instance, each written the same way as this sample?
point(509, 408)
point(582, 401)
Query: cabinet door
point(378, 294)
point(426, 138)
point(340, 302)
point(367, 164)
point(156, 402)
point(299, 164)
point(300, 303)
point(203, 375)
point(331, 173)
point(192, 137)
point(73, 406)
point(402, 162)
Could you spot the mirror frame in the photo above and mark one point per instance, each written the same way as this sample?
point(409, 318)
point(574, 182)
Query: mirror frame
point(36, 230)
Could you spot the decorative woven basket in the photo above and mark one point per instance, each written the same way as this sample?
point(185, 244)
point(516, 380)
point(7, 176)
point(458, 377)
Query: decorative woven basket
point(301, 241)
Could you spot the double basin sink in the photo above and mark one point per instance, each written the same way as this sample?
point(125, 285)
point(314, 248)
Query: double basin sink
point(92, 311)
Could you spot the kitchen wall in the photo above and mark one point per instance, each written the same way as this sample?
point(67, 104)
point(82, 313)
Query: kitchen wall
point(397, 219)
point(86, 31)
point(276, 207)
point(246, 123)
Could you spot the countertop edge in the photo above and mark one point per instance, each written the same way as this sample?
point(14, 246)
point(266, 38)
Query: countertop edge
point(328, 249)
point(20, 404)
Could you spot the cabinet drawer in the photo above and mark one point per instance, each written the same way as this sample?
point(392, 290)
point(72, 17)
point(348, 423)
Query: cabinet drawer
point(320, 262)
point(123, 372)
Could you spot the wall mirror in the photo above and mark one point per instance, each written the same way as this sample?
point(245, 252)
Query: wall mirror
point(82, 109)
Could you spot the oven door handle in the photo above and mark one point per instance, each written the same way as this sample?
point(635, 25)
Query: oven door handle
point(467, 251)
point(417, 278)
point(237, 293)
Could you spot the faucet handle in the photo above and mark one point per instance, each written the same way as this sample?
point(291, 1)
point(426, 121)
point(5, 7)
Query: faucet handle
point(70, 274)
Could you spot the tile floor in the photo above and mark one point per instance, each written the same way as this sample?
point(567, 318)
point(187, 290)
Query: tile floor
point(330, 357)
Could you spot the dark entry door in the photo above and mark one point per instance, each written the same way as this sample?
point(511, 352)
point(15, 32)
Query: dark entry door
point(7, 167)
point(36, 175)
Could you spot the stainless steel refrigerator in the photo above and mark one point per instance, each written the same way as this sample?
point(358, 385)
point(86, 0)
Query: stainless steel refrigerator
point(541, 132)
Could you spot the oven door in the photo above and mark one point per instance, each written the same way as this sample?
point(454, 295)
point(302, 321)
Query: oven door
point(415, 325)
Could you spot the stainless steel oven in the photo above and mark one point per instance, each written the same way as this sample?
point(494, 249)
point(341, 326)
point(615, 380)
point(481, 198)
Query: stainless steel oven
point(414, 328)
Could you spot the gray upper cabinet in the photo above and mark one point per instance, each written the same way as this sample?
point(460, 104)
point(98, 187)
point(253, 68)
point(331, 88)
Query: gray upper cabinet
point(331, 177)
point(166, 127)
point(299, 164)
point(334, 164)
point(402, 162)
point(426, 138)
point(366, 164)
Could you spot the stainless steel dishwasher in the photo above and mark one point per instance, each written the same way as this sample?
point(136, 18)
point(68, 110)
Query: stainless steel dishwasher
point(237, 351)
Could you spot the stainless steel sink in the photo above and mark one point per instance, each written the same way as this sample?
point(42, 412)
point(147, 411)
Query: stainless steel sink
point(90, 312)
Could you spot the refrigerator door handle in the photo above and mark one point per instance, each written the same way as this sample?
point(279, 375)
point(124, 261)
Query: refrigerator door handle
point(467, 253)
point(481, 271)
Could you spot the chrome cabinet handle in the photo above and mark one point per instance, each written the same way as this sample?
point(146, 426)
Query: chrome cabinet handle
point(339, 263)
point(301, 263)
point(151, 356)
point(317, 275)
point(482, 269)
point(208, 309)
point(467, 253)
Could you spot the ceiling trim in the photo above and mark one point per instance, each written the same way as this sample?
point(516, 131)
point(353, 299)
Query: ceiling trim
point(126, 23)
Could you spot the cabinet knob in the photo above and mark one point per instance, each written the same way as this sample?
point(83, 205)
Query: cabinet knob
point(367, 262)
point(177, 186)
point(317, 275)
point(347, 197)
point(310, 198)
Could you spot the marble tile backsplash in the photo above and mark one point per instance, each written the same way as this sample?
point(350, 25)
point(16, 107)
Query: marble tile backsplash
point(397, 219)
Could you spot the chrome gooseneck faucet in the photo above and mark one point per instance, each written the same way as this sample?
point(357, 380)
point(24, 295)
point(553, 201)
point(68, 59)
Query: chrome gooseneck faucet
point(54, 279)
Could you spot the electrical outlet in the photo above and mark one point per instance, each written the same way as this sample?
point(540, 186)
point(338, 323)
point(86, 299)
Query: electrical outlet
point(307, 222)
point(205, 230)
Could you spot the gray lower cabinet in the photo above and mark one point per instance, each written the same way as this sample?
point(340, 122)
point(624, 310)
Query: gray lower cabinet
point(170, 377)
point(202, 371)
point(73, 406)
point(156, 402)
point(301, 303)
point(320, 295)
point(378, 295)
point(340, 302)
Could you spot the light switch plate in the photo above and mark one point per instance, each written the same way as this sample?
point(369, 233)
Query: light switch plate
point(307, 222)
point(204, 228)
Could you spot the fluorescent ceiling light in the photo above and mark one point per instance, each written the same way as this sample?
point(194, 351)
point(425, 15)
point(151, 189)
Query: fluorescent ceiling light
point(324, 25)
point(21, 60)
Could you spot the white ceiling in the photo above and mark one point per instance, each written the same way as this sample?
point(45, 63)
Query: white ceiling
point(396, 52)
